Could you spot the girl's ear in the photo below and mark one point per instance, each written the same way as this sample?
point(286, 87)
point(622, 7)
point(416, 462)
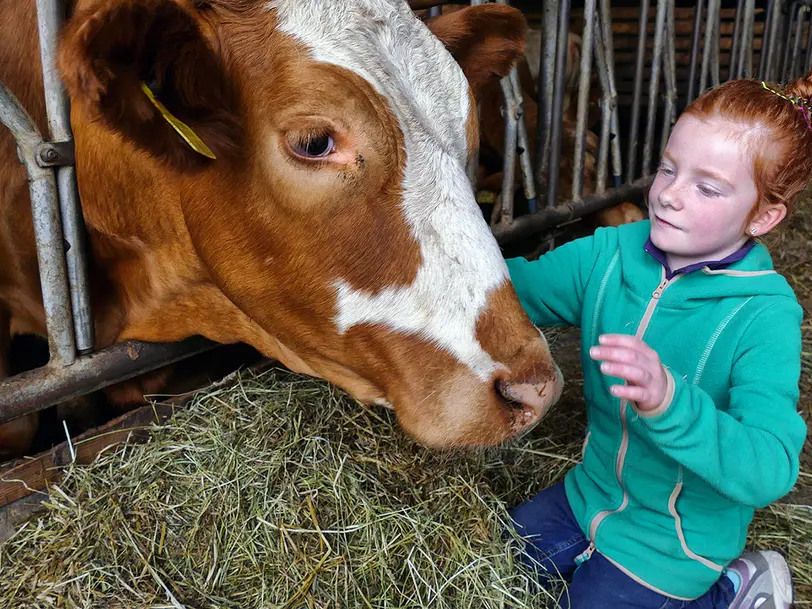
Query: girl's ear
point(766, 219)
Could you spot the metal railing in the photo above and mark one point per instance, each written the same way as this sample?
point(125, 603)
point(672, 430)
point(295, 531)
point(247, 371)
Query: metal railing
point(785, 52)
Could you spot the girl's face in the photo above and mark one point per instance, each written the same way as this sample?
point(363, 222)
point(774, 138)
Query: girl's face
point(703, 193)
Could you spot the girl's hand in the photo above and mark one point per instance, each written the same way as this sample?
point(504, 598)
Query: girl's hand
point(635, 362)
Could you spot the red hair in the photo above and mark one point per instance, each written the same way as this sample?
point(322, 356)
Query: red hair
point(780, 137)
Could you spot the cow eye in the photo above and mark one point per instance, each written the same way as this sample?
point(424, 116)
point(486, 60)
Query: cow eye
point(314, 146)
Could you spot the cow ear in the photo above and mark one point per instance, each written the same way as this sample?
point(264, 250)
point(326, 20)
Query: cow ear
point(486, 40)
point(144, 65)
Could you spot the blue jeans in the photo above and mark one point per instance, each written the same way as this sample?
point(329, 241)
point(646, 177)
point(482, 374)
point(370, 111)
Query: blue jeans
point(556, 539)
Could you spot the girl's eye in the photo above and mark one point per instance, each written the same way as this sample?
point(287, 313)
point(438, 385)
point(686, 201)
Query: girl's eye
point(707, 191)
point(666, 171)
point(314, 146)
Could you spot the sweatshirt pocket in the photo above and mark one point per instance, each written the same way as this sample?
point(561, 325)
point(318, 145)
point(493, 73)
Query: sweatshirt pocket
point(678, 525)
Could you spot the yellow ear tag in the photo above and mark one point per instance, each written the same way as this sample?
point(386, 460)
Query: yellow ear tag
point(185, 131)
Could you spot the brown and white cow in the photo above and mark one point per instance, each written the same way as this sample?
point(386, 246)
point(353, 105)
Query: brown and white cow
point(335, 231)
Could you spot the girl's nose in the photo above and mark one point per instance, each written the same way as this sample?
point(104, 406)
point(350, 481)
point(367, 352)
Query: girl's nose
point(669, 197)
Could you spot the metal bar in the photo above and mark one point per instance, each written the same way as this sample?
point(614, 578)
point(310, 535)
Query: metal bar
point(634, 128)
point(583, 100)
point(715, 46)
point(525, 162)
point(547, 219)
point(784, 68)
point(707, 49)
point(38, 389)
point(434, 11)
point(745, 62)
point(774, 46)
point(47, 229)
point(510, 111)
point(50, 15)
point(609, 53)
point(808, 59)
point(545, 90)
point(556, 121)
point(796, 49)
point(606, 110)
point(736, 43)
point(653, 86)
point(669, 77)
point(765, 41)
point(695, 38)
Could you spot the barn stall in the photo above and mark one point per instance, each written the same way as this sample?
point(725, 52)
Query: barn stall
point(273, 490)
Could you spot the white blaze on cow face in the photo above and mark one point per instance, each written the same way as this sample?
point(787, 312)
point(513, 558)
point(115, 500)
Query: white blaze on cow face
point(383, 42)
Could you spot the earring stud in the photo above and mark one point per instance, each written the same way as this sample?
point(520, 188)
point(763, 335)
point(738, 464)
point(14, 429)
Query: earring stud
point(753, 230)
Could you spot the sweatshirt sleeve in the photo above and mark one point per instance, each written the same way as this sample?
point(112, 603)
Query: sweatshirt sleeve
point(749, 453)
point(551, 289)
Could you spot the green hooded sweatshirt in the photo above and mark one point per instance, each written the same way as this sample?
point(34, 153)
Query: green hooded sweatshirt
point(668, 497)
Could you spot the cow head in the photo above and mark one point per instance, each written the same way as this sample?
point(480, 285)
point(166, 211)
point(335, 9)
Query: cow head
point(337, 217)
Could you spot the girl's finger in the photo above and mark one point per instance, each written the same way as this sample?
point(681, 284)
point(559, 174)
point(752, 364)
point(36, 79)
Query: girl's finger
point(631, 374)
point(615, 354)
point(625, 340)
point(633, 393)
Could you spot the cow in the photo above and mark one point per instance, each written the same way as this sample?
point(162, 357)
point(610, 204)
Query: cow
point(324, 217)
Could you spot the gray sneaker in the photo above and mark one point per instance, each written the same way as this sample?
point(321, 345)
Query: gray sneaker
point(765, 581)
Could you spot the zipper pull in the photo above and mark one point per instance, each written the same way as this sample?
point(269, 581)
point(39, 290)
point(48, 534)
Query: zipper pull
point(585, 555)
point(659, 291)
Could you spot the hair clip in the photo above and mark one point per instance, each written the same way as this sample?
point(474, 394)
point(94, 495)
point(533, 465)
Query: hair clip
point(800, 103)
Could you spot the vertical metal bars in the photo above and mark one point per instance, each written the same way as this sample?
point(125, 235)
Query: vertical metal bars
point(583, 100)
point(634, 129)
point(547, 62)
point(653, 84)
point(558, 101)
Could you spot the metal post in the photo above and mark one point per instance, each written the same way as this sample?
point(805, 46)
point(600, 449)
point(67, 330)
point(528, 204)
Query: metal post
point(744, 66)
point(634, 129)
point(583, 100)
point(736, 43)
point(546, 84)
point(669, 77)
point(606, 110)
point(653, 85)
point(50, 15)
point(558, 102)
point(525, 163)
point(710, 38)
point(695, 37)
point(47, 229)
point(511, 140)
point(771, 51)
point(609, 53)
point(784, 70)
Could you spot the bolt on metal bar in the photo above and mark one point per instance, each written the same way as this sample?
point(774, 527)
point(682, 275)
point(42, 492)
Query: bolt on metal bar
point(707, 49)
point(556, 121)
point(735, 43)
point(653, 85)
point(669, 76)
point(47, 230)
point(583, 99)
point(634, 128)
point(695, 42)
point(50, 15)
point(744, 65)
point(609, 53)
point(546, 84)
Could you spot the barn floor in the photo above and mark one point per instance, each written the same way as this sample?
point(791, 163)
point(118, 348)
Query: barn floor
point(277, 491)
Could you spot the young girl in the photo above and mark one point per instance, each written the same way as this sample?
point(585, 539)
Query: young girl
point(691, 349)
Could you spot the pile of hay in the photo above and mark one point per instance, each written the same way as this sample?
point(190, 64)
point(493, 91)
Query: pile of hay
point(277, 491)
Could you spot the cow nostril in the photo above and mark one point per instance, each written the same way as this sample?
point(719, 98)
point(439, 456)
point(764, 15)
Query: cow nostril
point(503, 389)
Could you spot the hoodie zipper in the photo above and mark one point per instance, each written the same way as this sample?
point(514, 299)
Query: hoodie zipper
point(624, 442)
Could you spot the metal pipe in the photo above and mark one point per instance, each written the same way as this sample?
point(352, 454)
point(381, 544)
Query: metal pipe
point(808, 59)
point(716, 38)
point(50, 15)
point(47, 229)
point(525, 162)
point(669, 77)
point(653, 86)
point(796, 49)
point(734, 47)
point(774, 44)
point(51, 385)
point(511, 140)
point(765, 41)
point(783, 70)
point(606, 110)
point(545, 90)
point(614, 121)
point(583, 100)
point(695, 37)
point(434, 11)
point(547, 219)
point(634, 128)
point(745, 63)
point(710, 27)
point(558, 102)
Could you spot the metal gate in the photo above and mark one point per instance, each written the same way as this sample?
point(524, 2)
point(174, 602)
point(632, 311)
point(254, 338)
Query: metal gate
point(771, 41)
